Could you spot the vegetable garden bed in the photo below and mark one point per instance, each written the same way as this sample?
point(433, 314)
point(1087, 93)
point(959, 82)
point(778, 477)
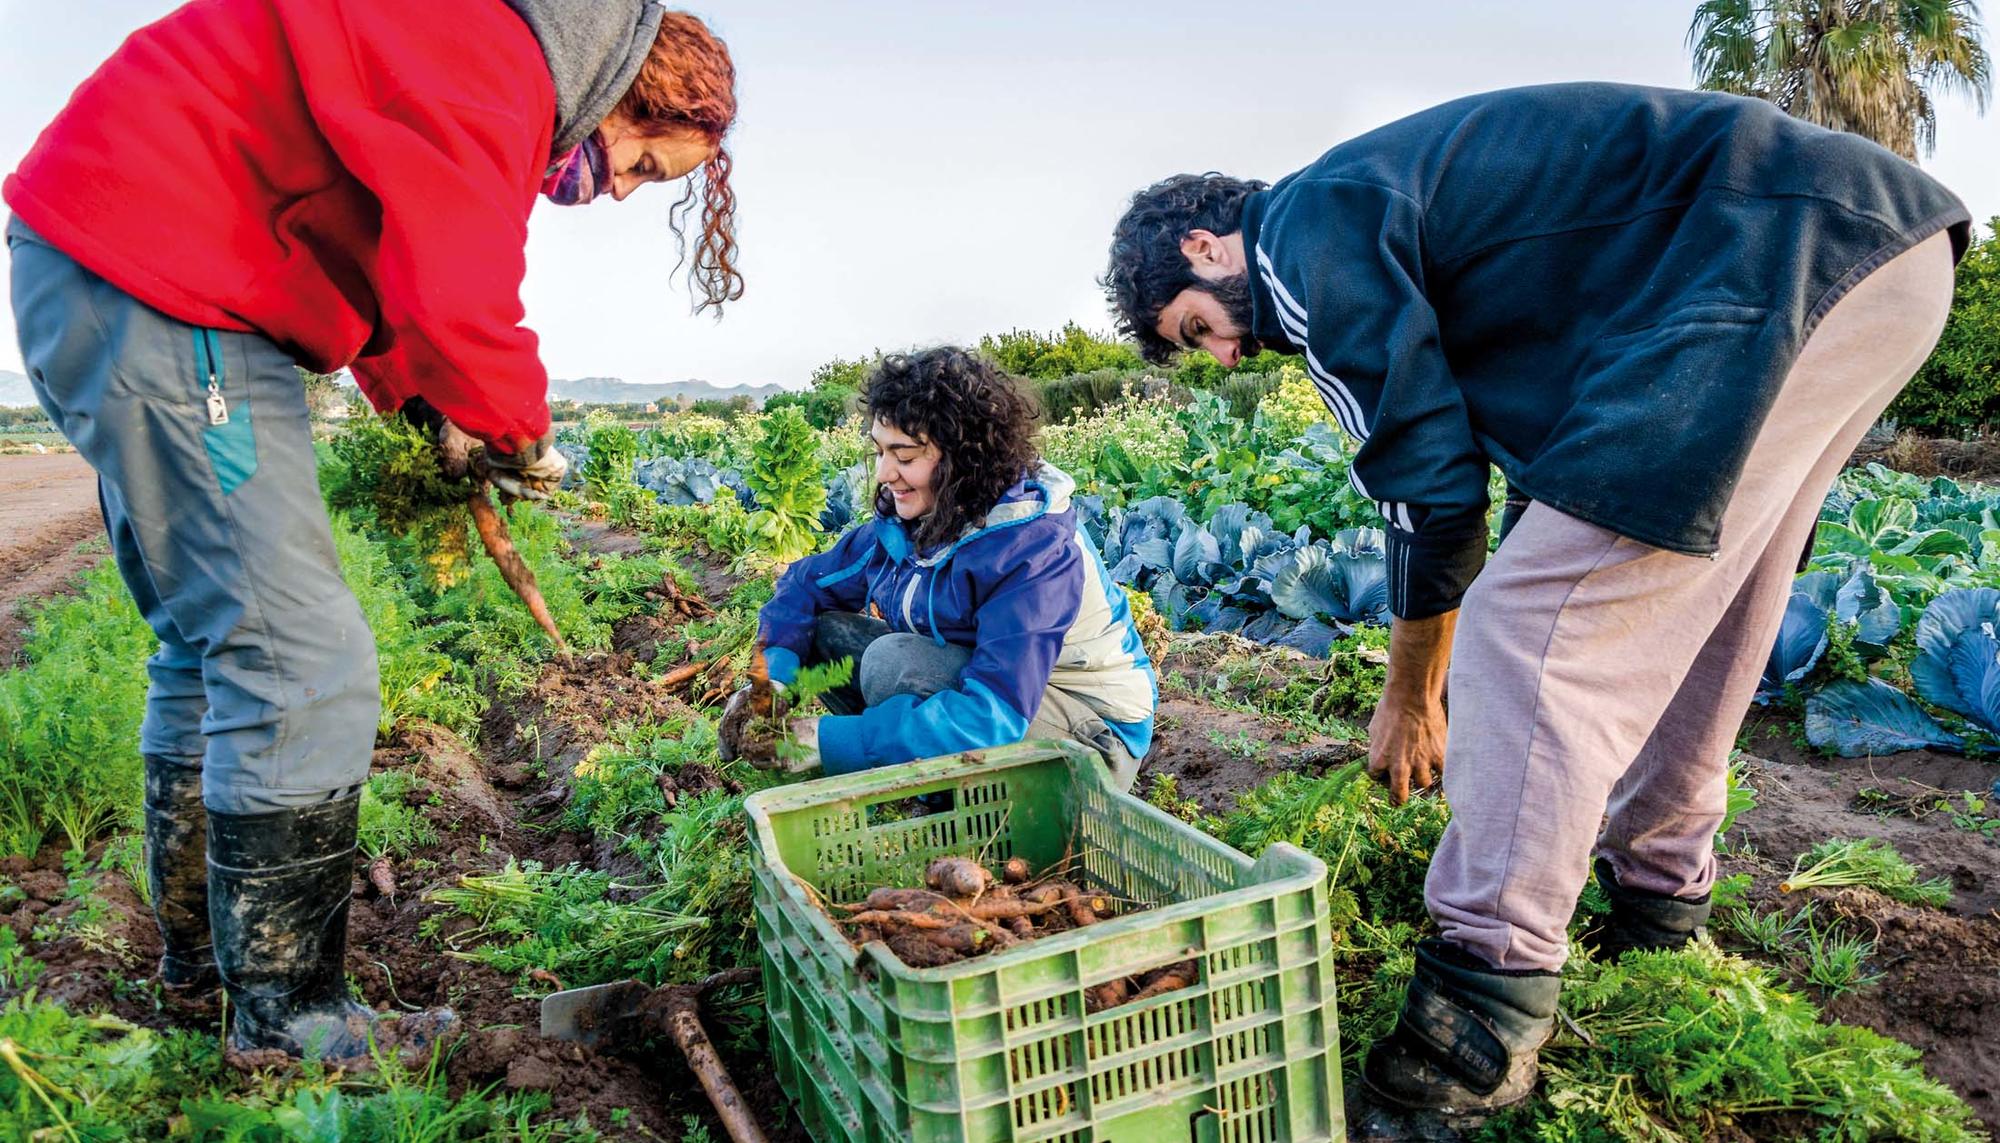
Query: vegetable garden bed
point(550, 825)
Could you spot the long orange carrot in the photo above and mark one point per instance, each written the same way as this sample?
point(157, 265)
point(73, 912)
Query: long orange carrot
point(493, 533)
point(761, 698)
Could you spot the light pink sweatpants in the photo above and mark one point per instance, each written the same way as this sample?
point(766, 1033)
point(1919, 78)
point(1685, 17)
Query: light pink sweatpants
point(1592, 674)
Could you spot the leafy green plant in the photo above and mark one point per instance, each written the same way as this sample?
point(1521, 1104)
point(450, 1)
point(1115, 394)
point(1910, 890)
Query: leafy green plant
point(124, 856)
point(618, 786)
point(1740, 798)
point(1164, 793)
point(785, 476)
point(485, 623)
point(613, 448)
point(1772, 932)
point(1974, 813)
point(828, 402)
point(727, 529)
point(387, 471)
point(1695, 1044)
point(1958, 385)
point(808, 685)
point(1071, 350)
point(418, 680)
point(1837, 962)
point(1239, 745)
point(1378, 851)
point(69, 719)
point(616, 587)
point(390, 826)
point(580, 924)
point(1870, 862)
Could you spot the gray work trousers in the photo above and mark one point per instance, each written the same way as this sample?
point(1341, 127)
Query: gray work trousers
point(1597, 683)
point(265, 677)
point(889, 663)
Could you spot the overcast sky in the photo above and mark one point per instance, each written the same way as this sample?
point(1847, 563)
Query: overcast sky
point(914, 172)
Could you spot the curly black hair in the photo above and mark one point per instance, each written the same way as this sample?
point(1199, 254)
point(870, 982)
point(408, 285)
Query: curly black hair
point(981, 419)
point(1148, 269)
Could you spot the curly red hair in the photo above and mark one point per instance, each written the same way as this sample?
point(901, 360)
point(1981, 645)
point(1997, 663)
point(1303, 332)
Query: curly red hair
point(688, 82)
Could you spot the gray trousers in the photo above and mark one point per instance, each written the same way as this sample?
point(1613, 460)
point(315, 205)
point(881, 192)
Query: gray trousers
point(265, 677)
point(889, 663)
point(1597, 684)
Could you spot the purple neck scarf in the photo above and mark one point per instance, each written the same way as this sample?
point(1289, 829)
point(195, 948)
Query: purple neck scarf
point(581, 175)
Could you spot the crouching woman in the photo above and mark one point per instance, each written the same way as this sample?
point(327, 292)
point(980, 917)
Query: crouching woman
point(975, 609)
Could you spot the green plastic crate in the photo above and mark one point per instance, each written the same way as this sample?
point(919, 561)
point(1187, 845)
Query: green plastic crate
point(1000, 1047)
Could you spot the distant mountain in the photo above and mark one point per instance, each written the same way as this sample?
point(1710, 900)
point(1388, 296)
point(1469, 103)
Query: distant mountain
point(15, 390)
point(612, 391)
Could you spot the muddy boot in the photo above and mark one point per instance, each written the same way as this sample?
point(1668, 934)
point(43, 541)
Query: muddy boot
point(177, 875)
point(278, 887)
point(1642, 920)
point(1466, 1042)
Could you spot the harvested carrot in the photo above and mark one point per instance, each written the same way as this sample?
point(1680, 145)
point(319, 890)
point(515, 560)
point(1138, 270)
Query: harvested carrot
point(972, 938)
point(493, 533)
point(682, 674)
point(1049, 892)
point(1172, 978)
point(1110, 994)
point(382, 876)
point(891, 918)
point(1002, 909)
point(1016, 871)
point(917, 951)
point(762, 700)
point(903, 899)
point(958, 876)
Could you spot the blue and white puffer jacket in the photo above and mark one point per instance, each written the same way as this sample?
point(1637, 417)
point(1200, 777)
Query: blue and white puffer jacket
point(1025, 589)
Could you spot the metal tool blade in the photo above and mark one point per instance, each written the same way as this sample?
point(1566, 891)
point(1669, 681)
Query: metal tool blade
point(590, 1015)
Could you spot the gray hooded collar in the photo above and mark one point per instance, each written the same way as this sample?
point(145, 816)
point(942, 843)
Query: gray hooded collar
point(595, 49)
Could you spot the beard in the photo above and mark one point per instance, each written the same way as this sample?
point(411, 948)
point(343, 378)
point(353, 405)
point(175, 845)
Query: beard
point(1234, 294)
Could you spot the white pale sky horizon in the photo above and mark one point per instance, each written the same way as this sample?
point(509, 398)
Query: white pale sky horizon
point(911, 174)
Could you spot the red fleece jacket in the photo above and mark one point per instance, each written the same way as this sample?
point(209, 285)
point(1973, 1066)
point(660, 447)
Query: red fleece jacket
point(351, 180)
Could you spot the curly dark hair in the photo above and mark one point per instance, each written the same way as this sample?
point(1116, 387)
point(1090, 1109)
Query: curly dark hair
point(981, 419)
point(1148, 269)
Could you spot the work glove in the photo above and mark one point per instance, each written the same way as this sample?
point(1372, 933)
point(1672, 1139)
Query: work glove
point(732, 733)
point(799, 755)
point(530, 474)
point(739, 735)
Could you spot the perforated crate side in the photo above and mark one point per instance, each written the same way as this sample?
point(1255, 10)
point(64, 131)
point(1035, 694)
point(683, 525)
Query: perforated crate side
point(1000, 1048)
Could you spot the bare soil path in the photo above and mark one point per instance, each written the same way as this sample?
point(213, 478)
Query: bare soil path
point(48, 507)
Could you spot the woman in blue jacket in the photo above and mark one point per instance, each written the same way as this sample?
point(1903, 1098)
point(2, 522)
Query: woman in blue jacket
point(976, 610)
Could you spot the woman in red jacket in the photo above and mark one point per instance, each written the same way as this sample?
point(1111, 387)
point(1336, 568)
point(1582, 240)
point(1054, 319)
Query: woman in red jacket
point(252, 184)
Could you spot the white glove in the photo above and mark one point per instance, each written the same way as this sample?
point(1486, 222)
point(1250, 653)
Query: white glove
point(530, 474)
point(801, 754)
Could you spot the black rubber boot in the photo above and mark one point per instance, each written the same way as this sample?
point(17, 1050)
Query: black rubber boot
point(177, 874)
point(1642, 920)
point(278, 888)
point(1467, 1041)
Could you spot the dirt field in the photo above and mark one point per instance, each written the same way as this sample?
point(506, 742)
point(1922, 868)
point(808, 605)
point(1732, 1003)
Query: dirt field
point(48, 506)
point(1940, 989)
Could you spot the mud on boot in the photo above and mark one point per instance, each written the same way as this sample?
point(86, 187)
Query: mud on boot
point(1466, 1042)
point(1643, 920)
point(177, 875)
point(279, 885)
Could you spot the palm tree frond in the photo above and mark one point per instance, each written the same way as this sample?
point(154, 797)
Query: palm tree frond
point(1872, 67)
